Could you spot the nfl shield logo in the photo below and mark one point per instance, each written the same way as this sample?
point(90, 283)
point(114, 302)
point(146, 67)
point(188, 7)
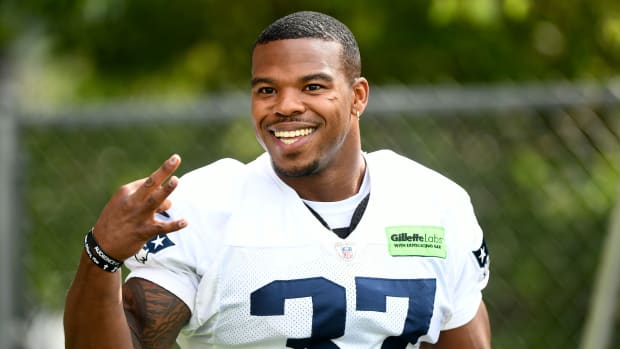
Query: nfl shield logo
point(345, 251)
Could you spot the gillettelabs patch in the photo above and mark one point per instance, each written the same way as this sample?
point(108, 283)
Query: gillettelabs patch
point(416, 240)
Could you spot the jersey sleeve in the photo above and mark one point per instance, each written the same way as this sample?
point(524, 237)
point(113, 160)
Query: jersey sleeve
point(469, 261)
point(165, 261)
point(178, 261)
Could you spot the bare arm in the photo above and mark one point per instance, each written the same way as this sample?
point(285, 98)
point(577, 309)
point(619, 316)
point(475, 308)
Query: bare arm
point(476, 334)
point(94, 315)
point(155, 316)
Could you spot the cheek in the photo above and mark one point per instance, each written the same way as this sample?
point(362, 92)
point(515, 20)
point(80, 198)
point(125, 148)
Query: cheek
point(334, 104)
point(259, 132)
point(257, 115)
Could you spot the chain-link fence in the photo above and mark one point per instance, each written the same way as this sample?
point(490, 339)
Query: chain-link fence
point(541, 162)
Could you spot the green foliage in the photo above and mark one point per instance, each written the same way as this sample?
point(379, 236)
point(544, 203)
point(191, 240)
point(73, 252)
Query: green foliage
point(140, 47)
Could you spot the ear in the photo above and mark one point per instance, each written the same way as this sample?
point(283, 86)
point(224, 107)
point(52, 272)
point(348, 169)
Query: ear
point(360, 91)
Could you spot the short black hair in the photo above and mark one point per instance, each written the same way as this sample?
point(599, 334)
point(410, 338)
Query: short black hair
point(316, 25)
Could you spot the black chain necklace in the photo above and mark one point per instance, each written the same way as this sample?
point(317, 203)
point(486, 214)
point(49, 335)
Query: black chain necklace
point(355, 219)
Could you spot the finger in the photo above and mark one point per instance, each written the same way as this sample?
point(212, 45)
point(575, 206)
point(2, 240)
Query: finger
point(164, 206)
point(160, 227)
point(158, 196)
point(158, 177)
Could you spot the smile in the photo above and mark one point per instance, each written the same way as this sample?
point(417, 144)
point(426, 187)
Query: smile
point(290, 137)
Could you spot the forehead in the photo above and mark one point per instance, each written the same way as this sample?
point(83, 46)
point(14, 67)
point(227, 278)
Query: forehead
point(294, 57)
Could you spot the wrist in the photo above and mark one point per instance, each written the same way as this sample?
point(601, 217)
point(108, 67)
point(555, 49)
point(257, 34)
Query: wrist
point(98, 256)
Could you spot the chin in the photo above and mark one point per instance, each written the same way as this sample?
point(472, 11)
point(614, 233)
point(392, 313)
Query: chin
point(296, 171)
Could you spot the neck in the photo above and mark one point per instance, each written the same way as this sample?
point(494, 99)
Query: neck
point(331, 184)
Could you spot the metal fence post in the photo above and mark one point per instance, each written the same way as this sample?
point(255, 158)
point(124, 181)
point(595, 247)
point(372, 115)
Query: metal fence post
point(598, 330)
point(10, 327)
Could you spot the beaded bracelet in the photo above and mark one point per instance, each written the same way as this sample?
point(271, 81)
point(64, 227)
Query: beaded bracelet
point(97, 256)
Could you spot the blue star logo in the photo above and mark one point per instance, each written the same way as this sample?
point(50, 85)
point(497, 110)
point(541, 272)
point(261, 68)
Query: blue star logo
point(482, 255)
point(156, 244)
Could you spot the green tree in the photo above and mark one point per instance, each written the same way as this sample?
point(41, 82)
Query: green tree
point(129, 47)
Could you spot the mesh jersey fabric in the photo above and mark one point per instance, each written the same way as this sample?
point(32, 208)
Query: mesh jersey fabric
point(258, 270)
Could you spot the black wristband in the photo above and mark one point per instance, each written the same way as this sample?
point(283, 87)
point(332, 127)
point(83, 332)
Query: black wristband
point(97, 256)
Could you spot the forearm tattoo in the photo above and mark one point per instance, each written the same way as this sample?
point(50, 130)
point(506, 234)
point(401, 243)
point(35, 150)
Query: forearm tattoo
point(155, 316)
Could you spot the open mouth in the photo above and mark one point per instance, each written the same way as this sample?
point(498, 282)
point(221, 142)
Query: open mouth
point(290, 137)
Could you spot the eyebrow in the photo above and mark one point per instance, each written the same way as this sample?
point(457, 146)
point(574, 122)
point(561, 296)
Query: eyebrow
point(257, 81)
point(306, 78)
point(318, 76)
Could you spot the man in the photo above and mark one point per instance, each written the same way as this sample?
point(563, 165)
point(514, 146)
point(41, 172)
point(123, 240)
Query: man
point(315, 244)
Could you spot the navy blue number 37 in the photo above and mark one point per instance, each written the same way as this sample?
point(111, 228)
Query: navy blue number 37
point(329, 306)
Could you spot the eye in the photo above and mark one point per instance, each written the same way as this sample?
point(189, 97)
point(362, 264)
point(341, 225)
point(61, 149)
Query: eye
point(266, 90)
point(313, 87)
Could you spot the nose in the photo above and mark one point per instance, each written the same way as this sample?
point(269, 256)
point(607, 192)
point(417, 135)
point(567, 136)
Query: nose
point(289, 103)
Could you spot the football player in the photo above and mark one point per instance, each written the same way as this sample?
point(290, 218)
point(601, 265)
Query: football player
point(314, 244)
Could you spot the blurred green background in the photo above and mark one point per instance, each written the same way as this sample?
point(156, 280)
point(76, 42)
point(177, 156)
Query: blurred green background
point(543, 177)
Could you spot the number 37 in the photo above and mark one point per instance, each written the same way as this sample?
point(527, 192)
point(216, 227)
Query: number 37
point(329, 306)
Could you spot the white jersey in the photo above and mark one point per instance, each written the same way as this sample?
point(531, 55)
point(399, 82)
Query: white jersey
point(258, 270)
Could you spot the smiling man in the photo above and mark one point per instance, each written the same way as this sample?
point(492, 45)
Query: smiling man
point(315, 244)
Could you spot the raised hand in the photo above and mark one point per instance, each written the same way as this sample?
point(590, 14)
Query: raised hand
point(128, 220)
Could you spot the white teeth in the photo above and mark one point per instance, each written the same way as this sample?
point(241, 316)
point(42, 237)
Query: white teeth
point(288, 137)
